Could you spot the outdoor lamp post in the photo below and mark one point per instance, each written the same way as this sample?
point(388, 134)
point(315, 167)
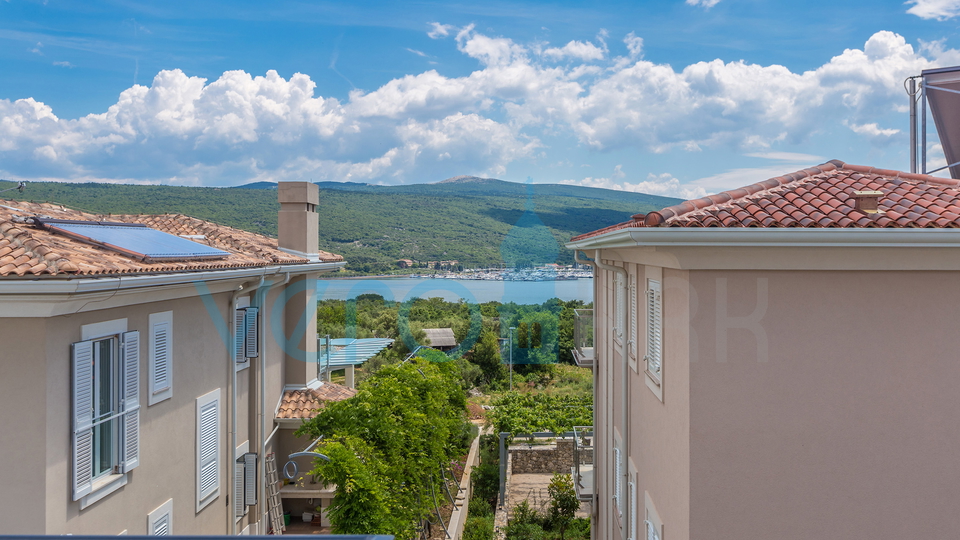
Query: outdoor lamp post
point(512, 328)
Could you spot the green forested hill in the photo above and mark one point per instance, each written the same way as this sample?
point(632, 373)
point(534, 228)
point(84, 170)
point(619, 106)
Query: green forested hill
point(473, 220)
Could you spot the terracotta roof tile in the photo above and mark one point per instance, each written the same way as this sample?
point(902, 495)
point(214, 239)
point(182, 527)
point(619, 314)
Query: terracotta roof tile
point(816, 197)
point(27, 249)
point(304, 403)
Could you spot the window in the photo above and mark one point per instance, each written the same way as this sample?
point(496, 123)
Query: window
point(653, 532)
point(632, 502)
point(208, 448)
point(160, 347)
point(618, 478)
point(619, 306)
point(651, 522)
point(244, 480)
point(654, 358)
point(106, 409)
point(247, 337)
point(160, 521)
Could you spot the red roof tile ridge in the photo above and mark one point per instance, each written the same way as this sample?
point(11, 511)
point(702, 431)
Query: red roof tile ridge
point(691, 206)
point(814, 197)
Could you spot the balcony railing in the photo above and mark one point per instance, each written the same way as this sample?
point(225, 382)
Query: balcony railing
point(583, 337)
point(583, 462)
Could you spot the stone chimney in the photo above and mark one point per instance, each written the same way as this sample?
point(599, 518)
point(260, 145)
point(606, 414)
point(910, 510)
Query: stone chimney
point(298, 222)
point(298, 234)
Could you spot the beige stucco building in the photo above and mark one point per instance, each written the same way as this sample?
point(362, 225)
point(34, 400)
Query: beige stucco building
point(141, 375)
point(779, 361)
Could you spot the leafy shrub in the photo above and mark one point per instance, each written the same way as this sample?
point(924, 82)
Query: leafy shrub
point(478, 528)
point(525, 531)
point(524, 513)
point(486, 482)
point(563, 501)
point(479, 507)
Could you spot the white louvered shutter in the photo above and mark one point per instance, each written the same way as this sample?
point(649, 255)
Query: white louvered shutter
point(619, 305)
point(252, 338)
point(239, 508)
point(250, 478)
point(652, 532)
point(130, 446)
point(654, 329)
point(240, 328)
point(633, 319)
point(161, 357)
point(208, 446)
point(161, 527)
point(82, 358)
point(160, 521)
point(618, 480)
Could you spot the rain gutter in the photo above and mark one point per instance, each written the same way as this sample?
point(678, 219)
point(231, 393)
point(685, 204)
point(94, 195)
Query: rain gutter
point(770, 237)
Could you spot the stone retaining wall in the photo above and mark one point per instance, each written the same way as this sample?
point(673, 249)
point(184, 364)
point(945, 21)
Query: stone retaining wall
point(553, 458)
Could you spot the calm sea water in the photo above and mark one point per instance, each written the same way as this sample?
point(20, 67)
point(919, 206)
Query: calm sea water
point(452, 290)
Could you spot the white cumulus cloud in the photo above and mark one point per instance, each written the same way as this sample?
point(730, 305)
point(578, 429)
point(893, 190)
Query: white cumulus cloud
point(934, 9)
point(580, 50)
point(705, 3)
point(423, 126)
point(664, 184)
point(438, 30)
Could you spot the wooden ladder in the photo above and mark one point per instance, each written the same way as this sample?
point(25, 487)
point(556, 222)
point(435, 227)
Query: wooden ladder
point(274, 506)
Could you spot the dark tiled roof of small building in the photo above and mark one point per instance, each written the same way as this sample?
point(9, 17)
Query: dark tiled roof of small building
point(30, 250)
point(821, 196)
point(304, 403)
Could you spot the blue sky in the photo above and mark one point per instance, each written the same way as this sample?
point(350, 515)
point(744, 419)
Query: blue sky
point(674, 97)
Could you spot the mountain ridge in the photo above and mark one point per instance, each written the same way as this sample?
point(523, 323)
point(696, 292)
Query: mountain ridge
point(375, 226)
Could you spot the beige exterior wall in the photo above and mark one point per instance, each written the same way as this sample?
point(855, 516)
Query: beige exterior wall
point(36, 390)
point(845, 426)
point(655, 432)
point(23, 390)
point(796, 404)
point(168, 429)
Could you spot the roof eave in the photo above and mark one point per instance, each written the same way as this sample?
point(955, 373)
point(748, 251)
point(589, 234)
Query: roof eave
point(770, 237)
point(73, 284)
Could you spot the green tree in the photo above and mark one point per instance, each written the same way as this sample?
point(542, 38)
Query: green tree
point(522, 335)
point(563, 501)
point(486, 354)
point(535, 337)
point(386, 446)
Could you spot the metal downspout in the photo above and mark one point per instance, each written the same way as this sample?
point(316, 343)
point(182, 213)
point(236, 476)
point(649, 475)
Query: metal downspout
point(624, 368)
point(261, 452)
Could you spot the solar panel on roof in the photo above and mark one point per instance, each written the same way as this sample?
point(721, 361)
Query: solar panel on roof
point(135, 240)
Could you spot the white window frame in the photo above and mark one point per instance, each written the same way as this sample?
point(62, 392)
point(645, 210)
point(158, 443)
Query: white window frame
point(654, 355)
point(155, 519)
point(126, 386)
point(619, 308)
point(652, 524)
point(245, 480)
point(632, 505)
point(160, 351)
point(618, 475)
point(246, 332)
point(207, 456)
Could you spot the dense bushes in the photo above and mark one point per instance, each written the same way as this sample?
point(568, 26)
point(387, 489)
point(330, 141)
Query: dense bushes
point(386, 446)
point(557, 522)
point(529, 413)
